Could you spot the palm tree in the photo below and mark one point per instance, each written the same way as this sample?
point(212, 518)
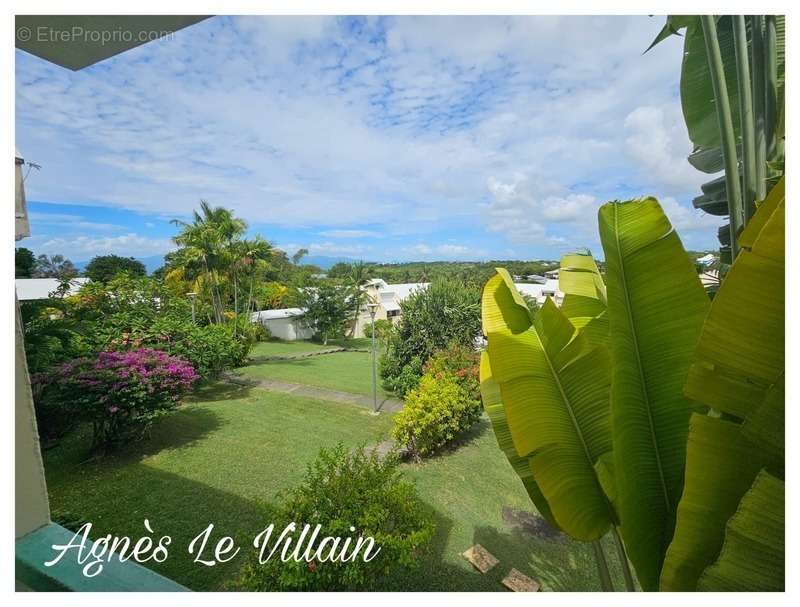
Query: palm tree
point(207, 242)
point(251, 256)
point(299, 254)
point(357, 277)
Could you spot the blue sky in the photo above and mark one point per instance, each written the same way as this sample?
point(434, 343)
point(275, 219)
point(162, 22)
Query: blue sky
point(378, 138)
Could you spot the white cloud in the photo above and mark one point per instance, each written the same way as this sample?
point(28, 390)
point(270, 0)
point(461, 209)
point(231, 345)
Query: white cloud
point(81, 248)
point(444, 251)
point(657, 141)
point(525, 209)
point(394, 123)
point(74, 222)
point(684, 219)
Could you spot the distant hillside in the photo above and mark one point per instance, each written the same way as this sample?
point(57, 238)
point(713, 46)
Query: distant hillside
point(324, 262)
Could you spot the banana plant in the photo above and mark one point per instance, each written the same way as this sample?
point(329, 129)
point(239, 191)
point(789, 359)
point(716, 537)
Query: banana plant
point(545, 385)
point(729, 532)
point(656, 307)
point(732, 96)
point(546, 388)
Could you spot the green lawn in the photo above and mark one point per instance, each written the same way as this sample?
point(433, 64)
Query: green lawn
point(289, 348)
point(345, 371)
point(232, 448)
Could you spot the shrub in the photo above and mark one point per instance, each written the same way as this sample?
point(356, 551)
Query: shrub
point(435, 413)
point(342, 489)
point(210, 349)
point(461, 362)
point(119, 393)
point(446, 402)
point(431, 319)
point(402, 381)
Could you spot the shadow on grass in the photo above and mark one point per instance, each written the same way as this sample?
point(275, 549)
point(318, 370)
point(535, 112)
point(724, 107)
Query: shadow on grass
point(222, 390)
point(435, 573)
point(175, 506)
point(177, 429)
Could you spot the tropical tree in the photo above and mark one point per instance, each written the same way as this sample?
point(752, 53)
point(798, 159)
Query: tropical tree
point(298, 256)
point(104, 267)
point(207, 243)
point(24, 263)
point(250, 258)
point(54, 266)
point(327, 309)
point(357, 276)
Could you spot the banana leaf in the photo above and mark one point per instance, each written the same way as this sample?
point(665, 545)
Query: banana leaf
point(740, 354)
point(746, 383)
point(753, 557)
point(493, 405)
point(697, 97)
point(656, 307)
point(554, 392)
point(721, 465)
point(584, 296)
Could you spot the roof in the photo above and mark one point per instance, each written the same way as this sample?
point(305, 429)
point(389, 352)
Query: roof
point(403, 289)
point(276, 314)
point(29, 289)
point(537, 290)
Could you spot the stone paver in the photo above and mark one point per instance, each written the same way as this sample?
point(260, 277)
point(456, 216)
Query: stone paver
point(519, 582)
point(481, 559)
point(359, 400)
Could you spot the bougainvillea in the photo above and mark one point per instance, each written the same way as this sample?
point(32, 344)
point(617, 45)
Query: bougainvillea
point(119, 393)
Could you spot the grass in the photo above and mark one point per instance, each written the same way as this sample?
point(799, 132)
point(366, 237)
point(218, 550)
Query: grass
point(290, 348)
point(212, 461)
point(221, 457)
point(344, 371)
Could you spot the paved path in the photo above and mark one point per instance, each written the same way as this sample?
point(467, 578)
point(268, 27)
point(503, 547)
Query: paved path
point(263, 359)
point(384, 403)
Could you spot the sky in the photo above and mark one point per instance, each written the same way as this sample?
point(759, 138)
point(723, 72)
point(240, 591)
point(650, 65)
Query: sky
point(379, 138)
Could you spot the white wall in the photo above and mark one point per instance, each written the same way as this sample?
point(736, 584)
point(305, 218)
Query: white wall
point(288, 329)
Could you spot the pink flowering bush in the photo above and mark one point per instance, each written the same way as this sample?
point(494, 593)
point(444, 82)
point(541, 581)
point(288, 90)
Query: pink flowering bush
point(119, 393)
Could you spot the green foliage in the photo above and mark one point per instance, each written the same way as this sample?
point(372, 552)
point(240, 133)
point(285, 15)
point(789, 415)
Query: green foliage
point(105, 267)
point(700, 502)
point(400, 379)
point(54, 266)
point(431, 318)
point(133, 312)
point(554, 386)
point(24, 263)
point(327, 309)
point(732, 503)
point(440, 409)
point(119, 393)
point(50, 338)
point(343, 489)
point(474, 273)
point(732, 96)
point(656, 308)
point(383, 330)
point(444, 404)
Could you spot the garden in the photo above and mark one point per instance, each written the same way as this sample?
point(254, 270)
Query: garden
point(630, 438)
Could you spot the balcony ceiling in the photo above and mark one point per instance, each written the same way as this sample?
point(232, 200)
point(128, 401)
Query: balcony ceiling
point(56, 39)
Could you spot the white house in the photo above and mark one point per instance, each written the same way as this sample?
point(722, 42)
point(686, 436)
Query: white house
point(284, 324)
point(30, 289)
point(541, 291)
point(388, 297)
